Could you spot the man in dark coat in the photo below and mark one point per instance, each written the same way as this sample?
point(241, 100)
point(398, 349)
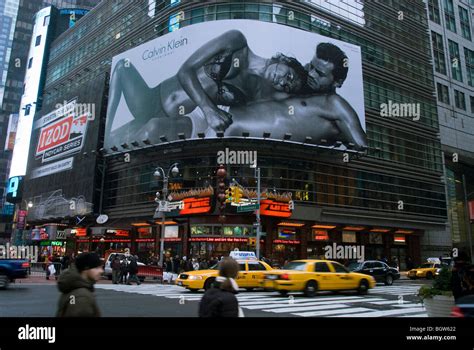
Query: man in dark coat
point(115, 265)
point(133, 270)
point(76, 285)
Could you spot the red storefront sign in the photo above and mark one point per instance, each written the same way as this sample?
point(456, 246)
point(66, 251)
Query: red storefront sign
point(286, 241)
point(196, 205)
point(270, 207)
point(320, 235)
point(471, 210)
point(21, 219)
point(80, 232)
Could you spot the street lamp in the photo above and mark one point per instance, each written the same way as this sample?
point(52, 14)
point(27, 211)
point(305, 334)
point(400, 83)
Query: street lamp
point(160, 173)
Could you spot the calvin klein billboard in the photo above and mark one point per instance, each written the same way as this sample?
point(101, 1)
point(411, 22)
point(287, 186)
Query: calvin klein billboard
point(236, 76)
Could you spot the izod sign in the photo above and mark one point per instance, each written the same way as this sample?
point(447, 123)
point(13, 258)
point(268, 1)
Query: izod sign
point(62, 137)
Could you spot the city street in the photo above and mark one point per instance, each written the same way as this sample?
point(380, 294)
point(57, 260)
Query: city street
point(156, 300)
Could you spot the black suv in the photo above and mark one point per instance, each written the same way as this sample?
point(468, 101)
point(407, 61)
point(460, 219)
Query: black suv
point(377, 269)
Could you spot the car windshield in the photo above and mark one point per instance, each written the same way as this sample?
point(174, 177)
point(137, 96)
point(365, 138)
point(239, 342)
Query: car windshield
point(295, 265)
point(354, 266)
point(424, 266)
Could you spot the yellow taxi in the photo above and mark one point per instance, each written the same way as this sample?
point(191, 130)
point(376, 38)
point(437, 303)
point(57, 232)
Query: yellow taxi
point(250, 276)
point(427, 270)
point(310, 276)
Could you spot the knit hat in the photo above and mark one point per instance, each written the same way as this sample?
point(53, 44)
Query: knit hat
point(87, 261)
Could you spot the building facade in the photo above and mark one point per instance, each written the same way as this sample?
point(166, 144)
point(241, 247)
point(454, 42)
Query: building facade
point(388, 197)
point(450, 25)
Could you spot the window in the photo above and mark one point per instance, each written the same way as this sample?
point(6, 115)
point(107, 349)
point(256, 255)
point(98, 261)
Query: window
point(472, 104)
point(256, 267)
point(378, 265)
point(469, 57)
point(46, 21)
point(443, 93)
point(459, 99)
point(27, 109)
point(464, 19)
point(438, 53)
point(339, 268)
point(38, 40)
point(433, 8)
point(321, 267)
point(30, 62)
point(449, 15)
point(455, 60)
point(242, 267)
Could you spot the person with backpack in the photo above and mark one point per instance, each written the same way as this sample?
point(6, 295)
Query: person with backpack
point(123, 271)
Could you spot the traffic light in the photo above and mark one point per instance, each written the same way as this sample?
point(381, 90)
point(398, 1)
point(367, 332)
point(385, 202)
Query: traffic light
point(238, 194)
point(228, 195)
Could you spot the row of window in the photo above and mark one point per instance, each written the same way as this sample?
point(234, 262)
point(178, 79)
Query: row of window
point(459, 97)
point(450, 18)
point(454, 57)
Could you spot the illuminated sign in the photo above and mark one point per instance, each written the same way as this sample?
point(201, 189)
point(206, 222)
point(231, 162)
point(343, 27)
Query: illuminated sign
point(471, 210)
point(270, 207)
point(285, 241)
point(118, 233)
point(320, 235)
point(15, 189)
point(399, 238)
point(196, 205)
point(79, 232)
point(219, 239)
point(21, 222)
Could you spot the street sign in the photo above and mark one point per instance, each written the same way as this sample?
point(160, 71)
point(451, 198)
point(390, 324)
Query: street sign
point(246, 208)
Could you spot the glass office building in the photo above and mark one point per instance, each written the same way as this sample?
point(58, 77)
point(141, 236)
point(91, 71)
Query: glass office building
point(389, 198)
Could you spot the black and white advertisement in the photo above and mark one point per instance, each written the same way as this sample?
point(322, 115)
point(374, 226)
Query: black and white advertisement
point(232, 77)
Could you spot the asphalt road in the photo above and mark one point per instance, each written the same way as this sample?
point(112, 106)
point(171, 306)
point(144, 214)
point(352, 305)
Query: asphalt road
point(153, 300)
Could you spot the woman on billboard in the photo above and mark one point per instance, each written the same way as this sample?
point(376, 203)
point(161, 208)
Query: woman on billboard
point(224, 71)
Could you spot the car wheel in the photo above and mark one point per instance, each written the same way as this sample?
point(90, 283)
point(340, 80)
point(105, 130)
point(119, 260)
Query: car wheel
point(388, 280)
point(4, 282)
point(194, 290)
point(429, 275)
point(109, 277)
point(310, 289)
point(249, 289)
point(283, 293)
point(208, 283)
point(363, 287)
point(141, 279)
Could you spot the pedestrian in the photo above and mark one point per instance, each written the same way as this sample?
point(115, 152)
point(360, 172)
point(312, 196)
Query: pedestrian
point(176, 267)
point(123, 271)
point(115, 265)
point(203, 265)
point(188, 266)
point(220, 299)
point(409, 263)
point(168, 275)
point(458, 284)
point(133, 271)
point(195, 264)
point(76, 285)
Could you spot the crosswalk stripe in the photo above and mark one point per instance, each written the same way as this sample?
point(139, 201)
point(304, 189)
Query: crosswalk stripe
point(315, 306)
point(319, 307)
point(307, 305)
point(386, 313)
point(297, 301)
point(332, 312)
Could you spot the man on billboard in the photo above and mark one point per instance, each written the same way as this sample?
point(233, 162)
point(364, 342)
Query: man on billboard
point(320, 114)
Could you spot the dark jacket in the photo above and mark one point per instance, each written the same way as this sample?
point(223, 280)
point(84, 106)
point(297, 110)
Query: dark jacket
point(77, 295)
point(218, 303)
point(115, 265)
point(169, 265)
point(133, 267)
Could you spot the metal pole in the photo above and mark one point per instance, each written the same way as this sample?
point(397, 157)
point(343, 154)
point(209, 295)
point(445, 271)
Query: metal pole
point(257, 171)
point(163, 217)
point(468, 220)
